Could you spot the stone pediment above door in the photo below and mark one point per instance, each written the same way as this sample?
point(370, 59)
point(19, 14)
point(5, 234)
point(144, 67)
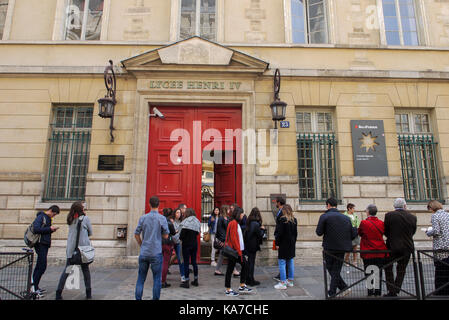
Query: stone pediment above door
point(194, 55)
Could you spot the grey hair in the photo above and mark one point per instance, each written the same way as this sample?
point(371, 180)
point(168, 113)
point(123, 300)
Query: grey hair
point(399, 203)
point(372, 209)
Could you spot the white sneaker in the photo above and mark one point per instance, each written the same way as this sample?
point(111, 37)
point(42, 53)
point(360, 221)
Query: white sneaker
point(213, 264)
point(281, 286)
point(346, 292)
point(290, 283)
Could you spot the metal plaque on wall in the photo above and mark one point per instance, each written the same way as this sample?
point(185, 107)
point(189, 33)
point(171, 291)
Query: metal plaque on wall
point(111, 163)
point(368, 147)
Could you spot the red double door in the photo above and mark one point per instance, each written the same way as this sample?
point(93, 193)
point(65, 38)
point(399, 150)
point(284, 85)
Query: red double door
point(177, 145)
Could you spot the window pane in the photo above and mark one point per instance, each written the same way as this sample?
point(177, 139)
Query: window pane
point(317, 22)
point(406, 8)
point(74, 20)
point(324, 122)
point(408, 24)
point(93, 25)
point(393, 38)
point(303, 122)
point(391, 24)
point(298, 21)
point(208, 23)
point(3, 11)
point(411, 39)
point(64, 118)
point(188, 18)
point(389, 8)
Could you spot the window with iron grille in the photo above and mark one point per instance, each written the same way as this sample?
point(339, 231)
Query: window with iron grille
point(316, 146)
point(83, 19)
point(198, 18)
point(401, 22)
point(309, 21)
point(69, 153)
point(419, 163)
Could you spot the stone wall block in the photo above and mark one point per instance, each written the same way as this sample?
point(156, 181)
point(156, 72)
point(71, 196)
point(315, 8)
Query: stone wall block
point(373, 190)
point(10, 187)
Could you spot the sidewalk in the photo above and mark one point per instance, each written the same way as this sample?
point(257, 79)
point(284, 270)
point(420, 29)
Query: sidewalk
point(119, 284)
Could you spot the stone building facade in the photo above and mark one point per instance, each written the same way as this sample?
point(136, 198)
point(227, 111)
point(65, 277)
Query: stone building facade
point(339, 61)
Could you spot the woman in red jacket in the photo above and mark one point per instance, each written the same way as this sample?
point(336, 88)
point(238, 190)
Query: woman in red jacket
point(371, 231)
point(234, 239)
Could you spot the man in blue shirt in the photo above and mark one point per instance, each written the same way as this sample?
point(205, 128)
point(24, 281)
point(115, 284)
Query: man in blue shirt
point(150, 230)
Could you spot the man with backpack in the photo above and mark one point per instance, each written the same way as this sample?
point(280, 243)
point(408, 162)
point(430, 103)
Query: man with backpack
point(42, 226)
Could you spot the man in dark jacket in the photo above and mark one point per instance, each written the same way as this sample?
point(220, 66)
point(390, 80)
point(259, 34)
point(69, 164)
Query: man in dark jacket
point(400, 226)
point(42, 225)
point(338, 233)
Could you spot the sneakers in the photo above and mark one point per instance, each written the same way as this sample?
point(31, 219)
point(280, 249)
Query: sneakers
point(231, 293)
point(245, 289)
point(213, 264)
point(281, 286)
point(290, 283)
point(346, 292)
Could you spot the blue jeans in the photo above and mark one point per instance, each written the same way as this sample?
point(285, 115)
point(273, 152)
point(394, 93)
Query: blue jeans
point(291, 269)
point(41, 263)
point(179, 257)
point(156, 267)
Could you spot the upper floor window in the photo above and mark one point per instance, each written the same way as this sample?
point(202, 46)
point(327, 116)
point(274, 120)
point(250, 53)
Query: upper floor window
point(83, 19)
point(401, 22)
point(309, 21)
point(198, 18)
point(3, 11)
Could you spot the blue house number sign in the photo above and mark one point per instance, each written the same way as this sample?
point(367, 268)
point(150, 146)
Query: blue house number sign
point(285, 124)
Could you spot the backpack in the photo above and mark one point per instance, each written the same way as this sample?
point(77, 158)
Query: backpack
point(31, 238)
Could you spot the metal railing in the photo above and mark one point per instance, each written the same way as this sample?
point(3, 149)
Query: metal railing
point(370, 277)
point(434, 273)
point(15, 275)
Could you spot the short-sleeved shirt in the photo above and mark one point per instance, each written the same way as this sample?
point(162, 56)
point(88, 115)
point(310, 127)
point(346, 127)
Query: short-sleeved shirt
point(151, 226)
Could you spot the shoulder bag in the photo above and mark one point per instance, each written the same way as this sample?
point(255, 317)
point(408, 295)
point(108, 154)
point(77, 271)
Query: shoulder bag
point(82, 254)
point(228, 251)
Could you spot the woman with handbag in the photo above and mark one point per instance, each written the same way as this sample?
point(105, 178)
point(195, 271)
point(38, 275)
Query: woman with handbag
point(220, 237)
point(80, 229)
point(233, 250)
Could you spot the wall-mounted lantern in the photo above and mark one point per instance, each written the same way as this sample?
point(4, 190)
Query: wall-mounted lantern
point(278, 107)
point(107, 104)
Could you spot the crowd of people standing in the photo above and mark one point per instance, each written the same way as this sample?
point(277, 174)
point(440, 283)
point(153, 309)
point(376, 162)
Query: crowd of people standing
point(173, 236)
